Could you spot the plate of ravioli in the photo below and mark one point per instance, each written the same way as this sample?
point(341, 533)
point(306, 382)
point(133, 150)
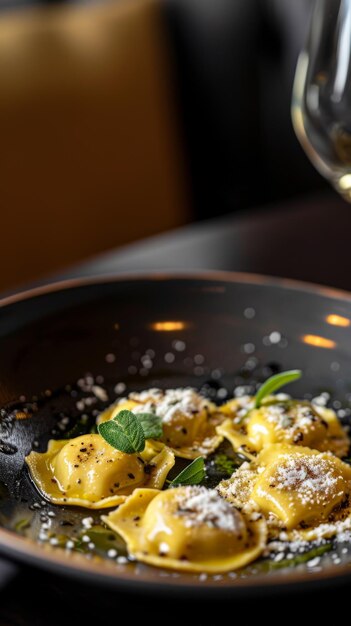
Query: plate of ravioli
point(184, 431)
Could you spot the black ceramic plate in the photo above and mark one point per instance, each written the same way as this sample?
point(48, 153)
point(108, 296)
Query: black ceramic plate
point(212, 331)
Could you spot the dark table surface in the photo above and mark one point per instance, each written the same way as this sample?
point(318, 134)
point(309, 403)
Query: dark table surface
point(306, 239)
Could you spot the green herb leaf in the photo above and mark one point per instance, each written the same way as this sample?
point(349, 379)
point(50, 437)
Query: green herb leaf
point(193, 474)
point(124, 432)
point(151, 425)
point(22, 524)
point(78, 429)
point(269, 564)
point(225, 464)
point(274, 383)
point(102, 538)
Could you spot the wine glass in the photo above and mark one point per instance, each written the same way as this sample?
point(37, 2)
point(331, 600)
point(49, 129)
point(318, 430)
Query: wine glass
point(321, 103)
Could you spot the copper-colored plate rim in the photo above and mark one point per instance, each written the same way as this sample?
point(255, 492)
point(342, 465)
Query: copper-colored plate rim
point(205, 275)
point(61, 562)
point(22, 549)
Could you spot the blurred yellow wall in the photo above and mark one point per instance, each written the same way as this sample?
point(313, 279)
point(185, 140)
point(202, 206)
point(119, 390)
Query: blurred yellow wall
point(90, 151)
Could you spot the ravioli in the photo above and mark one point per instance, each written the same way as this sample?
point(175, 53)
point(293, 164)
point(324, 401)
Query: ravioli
point(189, 420)
point(187, 528)
point(283, 421)
point(296, 488)
point(87, 471)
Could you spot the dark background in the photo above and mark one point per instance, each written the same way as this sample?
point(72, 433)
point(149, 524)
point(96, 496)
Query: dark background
point(93, 159)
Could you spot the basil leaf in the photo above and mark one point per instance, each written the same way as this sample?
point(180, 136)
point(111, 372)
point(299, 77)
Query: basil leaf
point(124, 432)
point(193, 474)
point(151, 425)
point(275, 382)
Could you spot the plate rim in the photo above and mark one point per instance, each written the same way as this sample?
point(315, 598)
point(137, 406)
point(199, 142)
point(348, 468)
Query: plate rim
point(48, 558)
point(205, 275)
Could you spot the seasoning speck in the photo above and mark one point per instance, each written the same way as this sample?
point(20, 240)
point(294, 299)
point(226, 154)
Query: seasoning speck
point(54, 541)
point(112, 553)
point(110, 357)
point(314, 562)
point(87, 522)
point(122, 560)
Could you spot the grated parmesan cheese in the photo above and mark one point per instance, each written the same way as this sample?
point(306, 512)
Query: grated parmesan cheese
point(312, 478)
point(170, 403)
point(296, 418)
point(205, 506)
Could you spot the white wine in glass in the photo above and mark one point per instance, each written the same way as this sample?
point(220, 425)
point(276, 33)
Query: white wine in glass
point(321, 103)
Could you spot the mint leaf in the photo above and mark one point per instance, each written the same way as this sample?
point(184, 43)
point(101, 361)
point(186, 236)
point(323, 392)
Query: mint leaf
point(193, 474)
point(274, 383)
point(151, 425)
point(124, 432)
